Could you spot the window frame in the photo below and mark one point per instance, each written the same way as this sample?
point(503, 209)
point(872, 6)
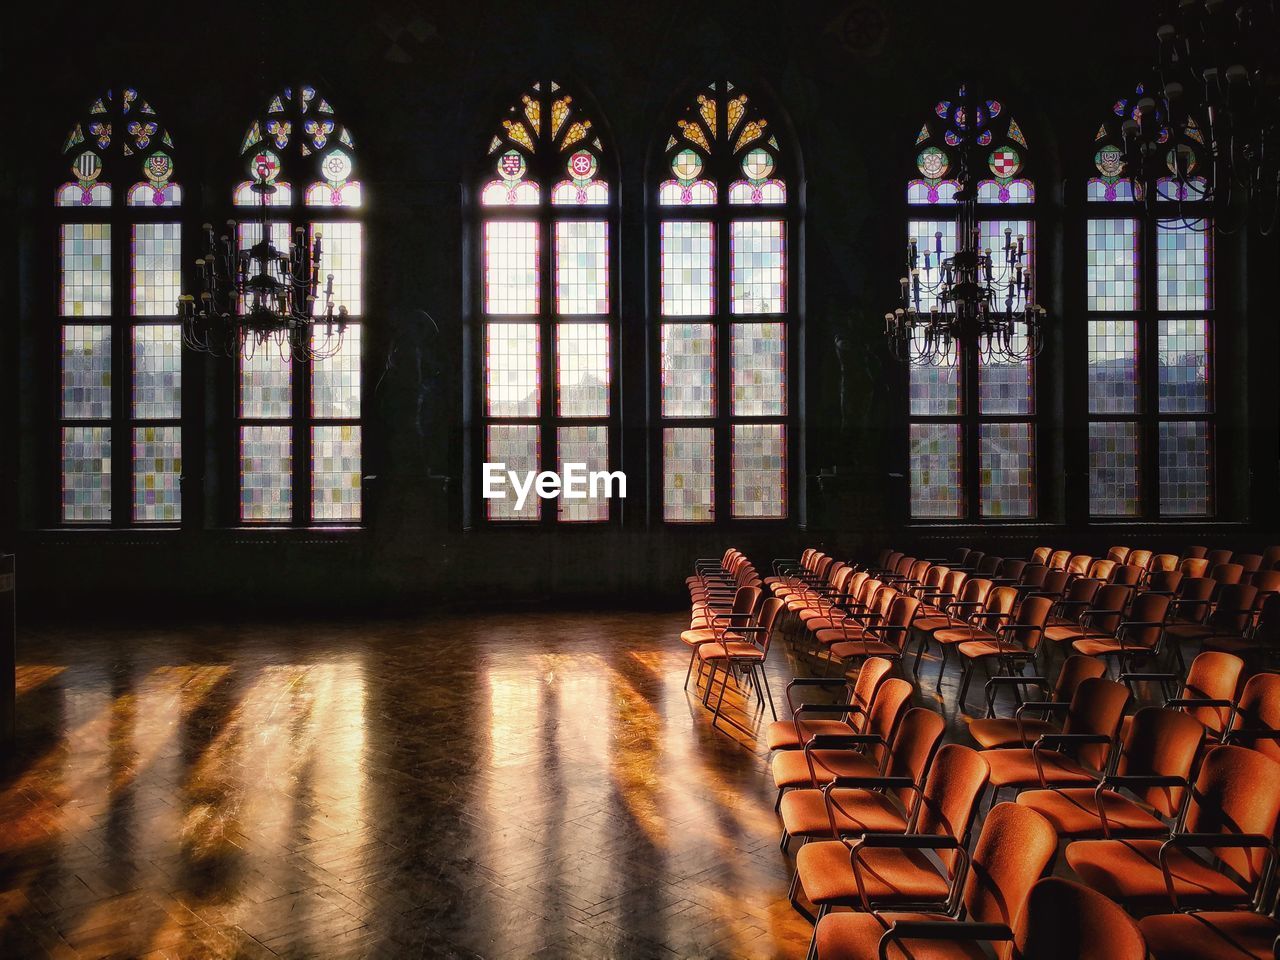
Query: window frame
point(723, 169)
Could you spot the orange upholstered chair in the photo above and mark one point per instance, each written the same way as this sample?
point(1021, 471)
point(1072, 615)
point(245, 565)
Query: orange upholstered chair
point(863, 754)
point(851, 806)
point(745, 657)
point(1024, 729)
point(1194, 566)
point(893, 870)
point(1196, 552)
point(1078, 755)
point(1216, 557)
point(1232, 616)
point(959, 614)
point(1100, 618)
point(1270, 557)
point(1073, 603)
point(809, 719)
point(711, 566)
point(933, 614)
point(785, 566)
point(1256, 723)
point(1260, 642)
point(1145, 794)
point(1119, 554)
point(1212, 935)
point(1101, 569)
point(1138, 637)
point(1058, 559)
point(718, 624)
point(1164, 581)
point(1014, 849)
point(1226, 573)
point(871, 607)
point(1139, 558)
point(887, 638)
point(1063, 920)
point(1041, 555)
point(1014, 644)
point(1232, 815)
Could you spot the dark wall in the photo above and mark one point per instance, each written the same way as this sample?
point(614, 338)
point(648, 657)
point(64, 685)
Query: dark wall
point(420, 85)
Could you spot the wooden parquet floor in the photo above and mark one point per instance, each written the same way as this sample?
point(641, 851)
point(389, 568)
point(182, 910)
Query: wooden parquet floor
point(513, 785)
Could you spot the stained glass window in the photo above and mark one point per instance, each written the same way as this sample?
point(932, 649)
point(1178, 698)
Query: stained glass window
point(971, 443)
point(300, 419)
point(546, 324)
point(113, 307)
point(1149, 331)
point(726, 230)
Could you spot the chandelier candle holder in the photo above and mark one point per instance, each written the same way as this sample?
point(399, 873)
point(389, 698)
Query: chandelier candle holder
point(978, 298)
point(262, 297)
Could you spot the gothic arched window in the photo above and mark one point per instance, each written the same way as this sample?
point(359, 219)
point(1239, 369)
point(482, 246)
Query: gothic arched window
point(120, 402)
point(972, 420)
point(547, 313)
point(727, 225)
point(298, 422)
point(1150, 330)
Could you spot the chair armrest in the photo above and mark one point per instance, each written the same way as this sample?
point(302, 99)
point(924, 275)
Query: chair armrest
point(867, 783)
point(967, 930)
point(908, 841)
point(1050, 740)
point(1187, 841)
point(838, 741)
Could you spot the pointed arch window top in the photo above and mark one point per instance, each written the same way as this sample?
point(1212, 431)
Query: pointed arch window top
point(547, 137)
point(120, 138)
point(1185, 145)
point(722, 130)
point(300, 138)
point(998, 137)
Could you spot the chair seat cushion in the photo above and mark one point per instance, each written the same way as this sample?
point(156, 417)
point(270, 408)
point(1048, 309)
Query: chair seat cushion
point(781, 734)
point(961, 635)
point(846, 649)
point(737, 650)
point(1061, 633)
point(1188, 631)
point(997, 732)
point(856, 936)
point(815, 622)
point(928, 624)
point(804, 813)
point(1074, 813)
point(791, 770)
point(1016, 768)
point(889, 876)
point(830, 635)
point(1231, 935)
point(1228, 644)
point(703, 635)
point(1128, 871)
point(977, 649)
point(1106, 646)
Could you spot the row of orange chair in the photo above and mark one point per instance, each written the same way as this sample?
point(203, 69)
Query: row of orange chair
point(868, 784)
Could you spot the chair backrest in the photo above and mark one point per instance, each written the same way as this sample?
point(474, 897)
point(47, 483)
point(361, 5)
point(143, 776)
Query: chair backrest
point(1098, 708)
point(1226, 573)
point(1265, 582)
point(835, 570)
point(1075, 671)
point(1058, 559)
point(768, 620)
point(1194, 566)
point(1234, 608)
point(1079, 595)
point(1041, 555)
point(1217, 557)
point(1148, 608)
point(882, 558)
point(989, 565)
point(917, 741)
point(1127, 575)
point(1012, 568)
point(1111, 598)
point(934, 577)
point(920, 570)
point(905, 563)
point(1064, 920)
point(961, 555)
point(891, 702)
point(1212, 676)
point(1055, 582)
point(1193, 596)
point(1033, 575)
point(1251, 562)
point(745, 600)
point(840, 583)
point(1237, 792)
point(868, 591)
point(1000, 600)
point(1118, 554)
point(1014, 849)
point(1163, 562)
point(1139, 558)
point(1161, 743)
point(1102, 569)
point(901, 612)
point(1258, 714)
point(954, 582)
point(874, 672)
point(1033, 613)
point(823, 565)
point(950, 800)
point(973, 558)
point(1079, 564)
point(1270, 557)
point(884, 601)
point(1197, 553)
point(975, 590)
point(1166, 580)
point(856, 581)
